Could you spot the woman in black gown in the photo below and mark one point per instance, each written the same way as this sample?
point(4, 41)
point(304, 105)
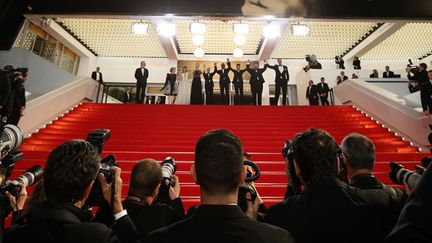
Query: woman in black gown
point(196, 91)
point(170, 86)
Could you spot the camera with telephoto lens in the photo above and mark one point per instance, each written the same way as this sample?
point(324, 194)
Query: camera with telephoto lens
point(253, 173)
point(28, 178)
point(401, 176)
point(11, 139)
point(97, 138)
point(168, 167)
point(294, 183)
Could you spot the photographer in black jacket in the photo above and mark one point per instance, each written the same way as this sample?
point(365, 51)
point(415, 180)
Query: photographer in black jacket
point(417, 76)
point(145, 212)
point(6, 78)
point(327, 210)
point(70, 172)
point(358, 153)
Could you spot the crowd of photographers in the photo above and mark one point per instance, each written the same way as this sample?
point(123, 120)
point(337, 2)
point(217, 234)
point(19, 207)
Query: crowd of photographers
point(332, 196)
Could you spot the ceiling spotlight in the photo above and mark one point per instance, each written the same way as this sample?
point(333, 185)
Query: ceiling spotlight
point(241, 28)
point(239, 40)
point(166, 29)
point(238, 52)
point(300, 30)
point(198, 28)
point(199, 52)
point(272, 31)
point(198, 40)
point(139, 28)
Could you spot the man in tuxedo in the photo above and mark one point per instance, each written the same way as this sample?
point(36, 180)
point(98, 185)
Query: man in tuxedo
point(312, 93)
point(419, 77)
point(238, 83)
point(127, 96)
point(141, 75)
point(343, 76)
point(17, 99)
point(97, 75)
point(70, 171)
point(218, 170)
point(426, 95)
point(281, 81)
point(209, 85)
point(358, 153)
point(323, 90)
point(256, 81)
point(224, 82)
point(388, 73)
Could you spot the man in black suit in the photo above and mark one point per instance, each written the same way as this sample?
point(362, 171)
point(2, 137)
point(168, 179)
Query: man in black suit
point(328, 210)
point(6, 79)
point(141, 75)
point(414, 223)
point(224, 82)
point(426, 95)
point(323, 90)
point(388, 73)
point(358, 153)
point(256, 81)
point(141, 203)
point(97, 75)
point(343, 76)
point(238, 83)
point(70, 172)
point(312, 93)
point(17, 98)
point(218, 218)
point(209, 85)
point(127, 96)
point(281, 81)
point(419, 77)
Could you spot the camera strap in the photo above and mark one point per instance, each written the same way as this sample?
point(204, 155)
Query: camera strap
point(113, 183)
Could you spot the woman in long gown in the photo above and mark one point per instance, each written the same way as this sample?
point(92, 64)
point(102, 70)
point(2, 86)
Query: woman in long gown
point(184, 88)
point(196, 91)
point(170, 86)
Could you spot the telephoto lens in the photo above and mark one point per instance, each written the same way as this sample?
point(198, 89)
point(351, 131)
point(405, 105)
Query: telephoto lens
point(400, 175)
point(168, 169)
point(10, 140)
point(32, 175)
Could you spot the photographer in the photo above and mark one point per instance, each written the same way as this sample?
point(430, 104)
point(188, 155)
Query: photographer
point(70, 172)
point(426, 95)
point(340, 62)
point(219, 171)
point(327, 210)
point(17, 98)
point(141, 202)
point(417, 77)
point(6, 77)
point(358, 153)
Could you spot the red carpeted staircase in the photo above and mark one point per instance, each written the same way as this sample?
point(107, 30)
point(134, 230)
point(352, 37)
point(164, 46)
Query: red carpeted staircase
point(158, 131)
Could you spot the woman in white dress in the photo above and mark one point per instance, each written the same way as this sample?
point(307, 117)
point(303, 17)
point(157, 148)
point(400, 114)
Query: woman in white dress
point(184, 87)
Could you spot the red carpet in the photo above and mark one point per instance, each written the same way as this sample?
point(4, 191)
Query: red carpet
point(158, 131)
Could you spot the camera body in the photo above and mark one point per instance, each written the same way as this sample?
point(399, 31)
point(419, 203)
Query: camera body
point(168, 167)
point(251, 176)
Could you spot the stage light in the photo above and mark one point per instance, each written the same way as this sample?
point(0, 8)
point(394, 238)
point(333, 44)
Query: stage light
point(199, 52)
point(272, 31)
point(300, 30)
point(240, 40)
point(238, 52)
point(198, 40)
point(139, 28)
point(166, 29)
point(241, 28)
point(198, 28)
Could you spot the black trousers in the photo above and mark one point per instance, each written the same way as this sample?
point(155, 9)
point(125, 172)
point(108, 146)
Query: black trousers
point(140, 94)
point(284, 86)
point(224, 90)
point(313, 101)
point(257, 94)
point(324, 100)
point(209, 95)
point(238, 99)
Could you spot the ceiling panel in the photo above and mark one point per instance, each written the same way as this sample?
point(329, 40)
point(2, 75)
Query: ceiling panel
point(219, 38)
point(114, 38)
point(412, 41)
point(326, 39)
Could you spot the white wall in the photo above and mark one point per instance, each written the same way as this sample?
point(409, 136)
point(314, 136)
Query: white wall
point(122, 69)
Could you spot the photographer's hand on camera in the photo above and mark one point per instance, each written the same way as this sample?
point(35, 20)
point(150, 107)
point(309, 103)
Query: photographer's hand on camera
point(174, 191)
point(17, 202)
point(116, 205)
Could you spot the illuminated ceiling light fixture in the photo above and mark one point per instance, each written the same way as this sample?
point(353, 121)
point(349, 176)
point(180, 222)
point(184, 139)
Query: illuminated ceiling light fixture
point(199, 52)
point(198, 40)
point(241, 28)
point(300, 30)
point(272, 31)
point(166, 29)
point(139, 28)
point(238, 52)
point(240, 40)
point(198, 28)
